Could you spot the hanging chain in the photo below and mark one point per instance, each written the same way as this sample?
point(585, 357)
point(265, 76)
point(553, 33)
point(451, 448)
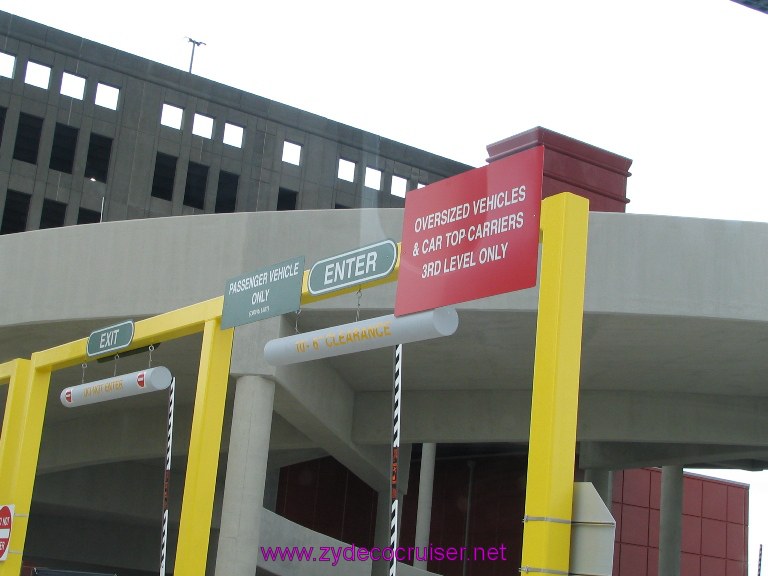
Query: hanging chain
point(117, 357)
point(296, 325)
point(83, 366)
point(359, 297)
point(151, 349)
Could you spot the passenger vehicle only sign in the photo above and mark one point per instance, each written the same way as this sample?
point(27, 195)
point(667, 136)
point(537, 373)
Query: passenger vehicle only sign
point(473, 235)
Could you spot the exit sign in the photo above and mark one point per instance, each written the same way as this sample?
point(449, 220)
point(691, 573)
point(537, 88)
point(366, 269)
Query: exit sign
point(110, 339)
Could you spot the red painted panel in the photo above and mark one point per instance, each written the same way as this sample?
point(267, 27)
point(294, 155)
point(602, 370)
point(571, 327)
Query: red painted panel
point(653, 528)
point(360, 514)
point(734, 568)
point(637, 487)
point(616, 511)
point(712, 566)
point(634, 560)
point(653, 562)
point(714, 502)
point(692, 490)
point(656, 489)
point(634, 525)
point(617, 495)
point(690, 564)
point(737, 504)
point(616, 558)
point(736, 542)
point(691, 541)
point(332, 485)
point(713, 538)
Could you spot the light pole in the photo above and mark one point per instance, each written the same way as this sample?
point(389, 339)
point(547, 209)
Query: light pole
point(195, 44)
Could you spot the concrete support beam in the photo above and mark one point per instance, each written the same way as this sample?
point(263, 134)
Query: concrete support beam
point(671, 520)
point(246, 472)
point(314, 399)
point(458, 415)
point(602, 480)
point(627, 455)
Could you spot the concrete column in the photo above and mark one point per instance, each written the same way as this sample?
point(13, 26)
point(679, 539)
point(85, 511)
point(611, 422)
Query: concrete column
point(602, 480)
point(671, 520)
point(246, 472)
point(424, 511)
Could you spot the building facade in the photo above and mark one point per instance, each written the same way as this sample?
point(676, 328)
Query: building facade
point(84, 124)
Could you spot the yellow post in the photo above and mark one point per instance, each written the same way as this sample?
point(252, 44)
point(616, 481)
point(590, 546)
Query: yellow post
point(554, 406)
point(26, 421)
point(15, 374)
point(204, 446)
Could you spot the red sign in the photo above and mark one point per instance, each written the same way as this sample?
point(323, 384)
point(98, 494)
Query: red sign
point(140, 379)
point(473, 235)
point(6, 521)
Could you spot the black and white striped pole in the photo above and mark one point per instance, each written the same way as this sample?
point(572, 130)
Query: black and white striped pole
point(396, 405)
point(167, 477)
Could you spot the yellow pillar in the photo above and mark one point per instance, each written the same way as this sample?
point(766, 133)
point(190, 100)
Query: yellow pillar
point(554, 406)
point(204, 446)
point(27, 411)
point(15, 373)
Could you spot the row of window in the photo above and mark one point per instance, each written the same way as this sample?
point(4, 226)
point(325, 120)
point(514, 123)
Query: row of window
point(27, 146)
point(16, 213)
point(202, 125)
point(172, 116)
point(72, 85)
point(53, 214)
point(194, 188)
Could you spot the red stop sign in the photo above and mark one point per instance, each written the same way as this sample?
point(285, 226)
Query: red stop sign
point(6, 520)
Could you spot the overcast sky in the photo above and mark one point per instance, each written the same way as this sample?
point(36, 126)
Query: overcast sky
point(678, 86)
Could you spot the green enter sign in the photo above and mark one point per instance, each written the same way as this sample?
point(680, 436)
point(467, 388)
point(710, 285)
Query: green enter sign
point(351, 268)
point(110, 339)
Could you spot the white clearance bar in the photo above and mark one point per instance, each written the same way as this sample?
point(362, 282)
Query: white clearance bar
point(141, 382)
point(361, 336)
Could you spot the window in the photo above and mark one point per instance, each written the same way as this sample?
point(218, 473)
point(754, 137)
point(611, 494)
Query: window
point(226, 192)
point(107, 96)
point(194, 190)
point(292, 153)
point(63, 149)
point(399, 186)
point(202, 126)
point(165, 173)
point(53, 214)
point(15, 213)
point(97, 163)
point(346, 170)
point(7, 65)
point(72, 86)
point(37, 75)
point(172, 116)
point(286, 199)
point(85, 216)
point(28, 138)
point(233, 135)
point(372, 178)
